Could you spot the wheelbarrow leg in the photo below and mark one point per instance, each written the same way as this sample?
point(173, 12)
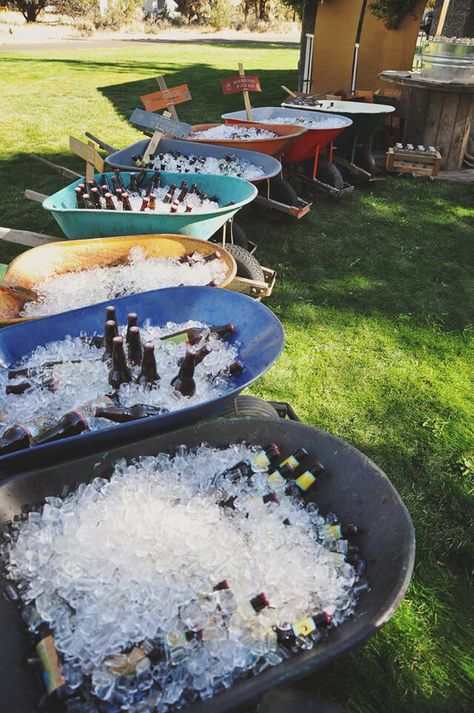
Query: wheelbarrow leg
point(287, 699)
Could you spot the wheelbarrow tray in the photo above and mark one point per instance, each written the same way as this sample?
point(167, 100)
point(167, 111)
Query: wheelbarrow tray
point(123, 159)
point(259, 337)
point(274, 146)
point(365, 117)
point(306, 145)
point(85, 223)
point(354, 487)
point(40, 263)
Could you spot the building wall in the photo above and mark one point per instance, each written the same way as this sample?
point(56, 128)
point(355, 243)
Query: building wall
point(334, 37)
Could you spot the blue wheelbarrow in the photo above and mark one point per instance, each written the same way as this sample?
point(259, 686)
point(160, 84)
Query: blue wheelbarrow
point(259, 339)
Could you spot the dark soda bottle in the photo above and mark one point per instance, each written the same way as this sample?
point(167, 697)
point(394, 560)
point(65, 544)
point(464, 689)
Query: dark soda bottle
point(71, 424)
point(135, 351)
point(15, 438)
point(149, 373)
point(119, 372)
point(184, 379)
point(110, 313)
point(124, 414)
point(110, 334)
point(132, 321)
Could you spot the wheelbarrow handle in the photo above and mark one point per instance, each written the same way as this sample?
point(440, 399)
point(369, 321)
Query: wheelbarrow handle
point(102, 144)
point(35, 196)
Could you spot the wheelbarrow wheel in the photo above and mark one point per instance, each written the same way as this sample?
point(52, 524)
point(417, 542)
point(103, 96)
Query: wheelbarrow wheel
point(251, 406)
point(280, 191)
point(247, 266)
point(238, 236)
point(365, 160)
point(330, 174)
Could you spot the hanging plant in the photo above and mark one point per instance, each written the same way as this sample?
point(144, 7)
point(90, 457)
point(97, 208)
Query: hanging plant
point(392, 12)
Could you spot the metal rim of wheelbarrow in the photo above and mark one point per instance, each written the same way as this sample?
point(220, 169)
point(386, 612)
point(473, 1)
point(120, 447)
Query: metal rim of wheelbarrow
point(123, 159)
point(48, 203)
point(64, 257)
point(354, 487)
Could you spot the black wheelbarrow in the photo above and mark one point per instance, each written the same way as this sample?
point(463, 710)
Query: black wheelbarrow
point(355, 488)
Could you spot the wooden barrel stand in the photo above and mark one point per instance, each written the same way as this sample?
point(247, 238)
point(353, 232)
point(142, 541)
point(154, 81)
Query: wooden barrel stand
point(436, 114)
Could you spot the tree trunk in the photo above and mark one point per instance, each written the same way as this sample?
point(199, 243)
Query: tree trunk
point(32, 12)
point(308, 19)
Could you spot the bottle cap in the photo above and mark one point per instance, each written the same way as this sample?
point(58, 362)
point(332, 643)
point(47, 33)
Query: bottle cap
point(259, 602)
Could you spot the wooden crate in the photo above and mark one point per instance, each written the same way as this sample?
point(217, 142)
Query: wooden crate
point(420, 162)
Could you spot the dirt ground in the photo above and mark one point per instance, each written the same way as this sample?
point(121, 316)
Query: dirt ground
point(55, 33)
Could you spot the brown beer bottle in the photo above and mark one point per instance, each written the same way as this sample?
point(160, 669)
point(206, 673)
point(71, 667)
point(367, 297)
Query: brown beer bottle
point(119, 372)
point(184, 379)
point(149, 373)
point(126, 202)
point(183, 191)
point(169, 195)
point(135, 351)
point(144, 204)
point(216, 255)
point(152, 201)
point(109, 203)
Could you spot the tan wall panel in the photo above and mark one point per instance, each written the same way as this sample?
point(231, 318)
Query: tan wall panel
point(334, 36)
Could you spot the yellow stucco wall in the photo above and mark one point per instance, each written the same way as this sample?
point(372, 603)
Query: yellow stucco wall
point(334, 37)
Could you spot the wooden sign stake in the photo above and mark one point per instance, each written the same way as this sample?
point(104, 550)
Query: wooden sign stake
point(87, 151)
point(162, 85)
point(152, 146)
point(248, 106)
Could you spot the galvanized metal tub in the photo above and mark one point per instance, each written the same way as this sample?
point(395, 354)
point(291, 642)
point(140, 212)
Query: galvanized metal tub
point(448, 61)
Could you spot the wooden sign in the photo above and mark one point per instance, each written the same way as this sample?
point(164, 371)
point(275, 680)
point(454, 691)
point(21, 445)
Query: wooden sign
point(160, 100)
point(246, 82)
point(243, 83)
point(87, 151)
point(157, 122)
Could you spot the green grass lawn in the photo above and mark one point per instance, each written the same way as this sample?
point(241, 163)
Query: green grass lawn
point(376, 297)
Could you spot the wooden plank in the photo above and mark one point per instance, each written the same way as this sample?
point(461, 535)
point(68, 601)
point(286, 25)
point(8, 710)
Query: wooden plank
point(462, 126)
point(442, 18)
point(26, 237)
point(62, 170)
point(35, 196)
point(166, 98)
point(152, 146)
point(434, 108)
point(158, 122)
point(416, 115)
point(447, 121)
point(162, 85)
point(248, 106)
point(87, 152)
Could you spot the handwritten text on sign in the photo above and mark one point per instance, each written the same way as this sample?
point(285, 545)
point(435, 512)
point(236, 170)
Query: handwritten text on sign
point(246, 83)
point(156, 122)
point(160, 100)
